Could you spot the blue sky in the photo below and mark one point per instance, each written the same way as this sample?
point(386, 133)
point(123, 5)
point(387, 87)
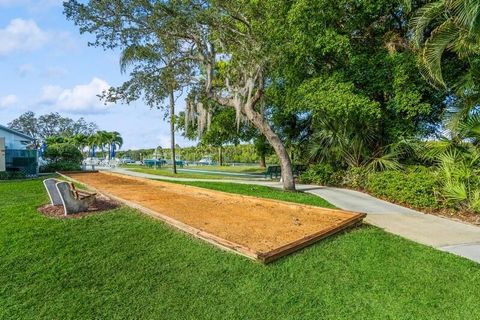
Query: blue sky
point(47, 66)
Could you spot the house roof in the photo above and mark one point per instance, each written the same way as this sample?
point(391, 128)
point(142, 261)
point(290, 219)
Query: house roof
point(23, 135)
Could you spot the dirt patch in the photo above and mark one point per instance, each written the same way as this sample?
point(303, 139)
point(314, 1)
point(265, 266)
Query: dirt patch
point(261, 225)
point(101, 204)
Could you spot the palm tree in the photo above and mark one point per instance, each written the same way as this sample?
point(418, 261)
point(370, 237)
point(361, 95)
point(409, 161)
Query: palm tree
point(449, 25)
point(102, 140)
point(80, 140)
point(166, 83)
point(113, 139)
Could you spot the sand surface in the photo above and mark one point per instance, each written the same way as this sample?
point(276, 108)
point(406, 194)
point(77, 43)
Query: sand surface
point(259, 224)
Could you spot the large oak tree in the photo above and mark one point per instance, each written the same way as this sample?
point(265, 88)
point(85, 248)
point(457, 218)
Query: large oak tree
point(227, 41)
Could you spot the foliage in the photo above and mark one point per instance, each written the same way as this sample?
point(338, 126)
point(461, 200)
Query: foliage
point(321, 174)
point(460, 178)
point(63, 152)
point(414, 187)
point(355, 177)
point(456, 157)
point(11, 175)
point(349, 73)
point(60, 165)
point(51, 125)
point(263, 149)
point(442, 26)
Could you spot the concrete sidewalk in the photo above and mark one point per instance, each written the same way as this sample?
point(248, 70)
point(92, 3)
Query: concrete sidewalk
point(444, 234)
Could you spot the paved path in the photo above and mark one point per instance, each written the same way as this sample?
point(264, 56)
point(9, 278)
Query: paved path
point(444, 234)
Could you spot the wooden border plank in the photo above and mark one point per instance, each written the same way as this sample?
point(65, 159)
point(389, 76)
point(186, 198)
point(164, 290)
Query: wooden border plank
point(308, 240)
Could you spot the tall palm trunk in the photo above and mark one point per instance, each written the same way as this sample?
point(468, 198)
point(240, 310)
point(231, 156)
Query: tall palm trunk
point(172, 129)
point(220, 156)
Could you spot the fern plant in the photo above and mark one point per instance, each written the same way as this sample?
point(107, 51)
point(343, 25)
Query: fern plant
point(461, 180)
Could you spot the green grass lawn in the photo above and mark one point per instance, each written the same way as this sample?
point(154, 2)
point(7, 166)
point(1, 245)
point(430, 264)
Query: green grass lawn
point(122, 264)
point(259, 191)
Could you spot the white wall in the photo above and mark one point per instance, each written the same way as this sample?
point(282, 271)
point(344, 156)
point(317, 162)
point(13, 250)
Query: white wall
point(13, 141)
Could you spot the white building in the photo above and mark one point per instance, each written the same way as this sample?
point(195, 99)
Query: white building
point(17, 152)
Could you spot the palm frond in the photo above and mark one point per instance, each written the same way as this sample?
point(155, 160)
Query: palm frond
point(423, 18)
point(388, 161)
point(467, 14)
point(469, 128)
point(455, 191)
point(440, 40)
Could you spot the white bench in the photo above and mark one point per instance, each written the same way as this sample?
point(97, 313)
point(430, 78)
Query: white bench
point(64, 193)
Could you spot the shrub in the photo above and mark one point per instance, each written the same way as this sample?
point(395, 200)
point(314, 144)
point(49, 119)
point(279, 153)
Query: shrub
point(354, 177)
point(11, 175)
point(415, 186)
point(60, 166)
point(63, 152)
point(322, 174)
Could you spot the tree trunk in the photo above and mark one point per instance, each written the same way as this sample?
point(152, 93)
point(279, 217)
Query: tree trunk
point(263, 163)
point(172, 130)
point(277, 144)
point(220, 156)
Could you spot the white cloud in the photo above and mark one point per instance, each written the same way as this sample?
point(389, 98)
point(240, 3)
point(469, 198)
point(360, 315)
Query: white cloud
point(21, 35)
point(8, 101)
point(81, 98)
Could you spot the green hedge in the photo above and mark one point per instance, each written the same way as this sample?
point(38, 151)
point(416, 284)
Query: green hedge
point(415, 186)
point(60, 166)
point(322, 174)
point(11, 175)
point(63, 152)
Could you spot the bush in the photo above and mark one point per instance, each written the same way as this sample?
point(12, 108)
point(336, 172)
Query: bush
point(60, 152)
point(354, 177)
point(322, 174)
point(415, 186)
point(11, 175)
point(60, 166)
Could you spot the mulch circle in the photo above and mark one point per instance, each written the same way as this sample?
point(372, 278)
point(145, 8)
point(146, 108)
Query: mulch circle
point(101, 204)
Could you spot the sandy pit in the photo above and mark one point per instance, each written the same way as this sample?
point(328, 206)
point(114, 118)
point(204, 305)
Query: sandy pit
point(253, 226)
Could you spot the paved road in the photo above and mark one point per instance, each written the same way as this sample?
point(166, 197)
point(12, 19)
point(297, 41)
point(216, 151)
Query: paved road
point(444, 234)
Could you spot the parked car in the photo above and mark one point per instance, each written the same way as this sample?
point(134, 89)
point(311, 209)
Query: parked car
point(127, 161)
point(207, 161)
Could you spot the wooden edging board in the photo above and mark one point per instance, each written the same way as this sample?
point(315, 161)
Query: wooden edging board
point(263, 257)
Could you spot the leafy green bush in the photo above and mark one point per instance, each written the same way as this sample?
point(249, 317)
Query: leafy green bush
point(60, 166)
point(11, 175)
point(321, 173)
point(354, 177)
point(62, 157)
point(460, 179)
point(58, 152)
point(415, 186)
